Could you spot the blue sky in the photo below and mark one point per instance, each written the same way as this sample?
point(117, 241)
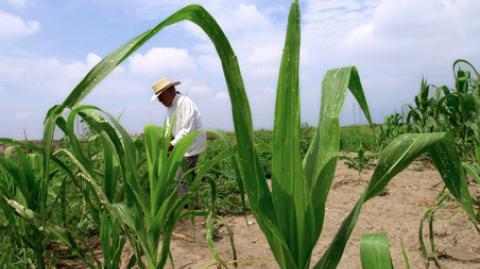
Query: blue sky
point(47, 46)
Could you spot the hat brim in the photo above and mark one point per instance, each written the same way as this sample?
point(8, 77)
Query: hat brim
point(155, 96)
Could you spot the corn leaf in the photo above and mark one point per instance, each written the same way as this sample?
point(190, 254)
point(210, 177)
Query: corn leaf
point(289, 192)
point(473, 170)
point(210, 240)
point(375, 251)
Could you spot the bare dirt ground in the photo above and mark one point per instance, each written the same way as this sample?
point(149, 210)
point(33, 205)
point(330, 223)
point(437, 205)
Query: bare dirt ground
point(398, 213)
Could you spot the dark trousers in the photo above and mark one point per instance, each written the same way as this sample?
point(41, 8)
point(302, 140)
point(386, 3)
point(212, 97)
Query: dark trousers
point(190, 162)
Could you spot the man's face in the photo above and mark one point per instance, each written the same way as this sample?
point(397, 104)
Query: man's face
point(166, 98)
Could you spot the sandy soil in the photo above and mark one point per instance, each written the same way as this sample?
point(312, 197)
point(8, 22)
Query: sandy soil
point(398, 213)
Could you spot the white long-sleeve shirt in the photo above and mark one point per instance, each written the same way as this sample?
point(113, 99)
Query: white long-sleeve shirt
point(187, 119)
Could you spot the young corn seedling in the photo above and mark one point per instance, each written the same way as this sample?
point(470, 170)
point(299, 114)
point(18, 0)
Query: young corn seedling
point(359, 162)
point(291, 215)
point(429, 217)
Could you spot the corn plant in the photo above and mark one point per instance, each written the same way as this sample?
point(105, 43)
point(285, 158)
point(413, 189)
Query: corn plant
point(25, 203)
point(461, 109)
point(22, 184)
point(95, 157)
point(389, 130)
point(358, 162)
point(424, 117)
point(15, 228)
point(455, 110)
point(429, 218)
point(428, 248)
point(120, 206)
point(147, 216)
point(291, 215)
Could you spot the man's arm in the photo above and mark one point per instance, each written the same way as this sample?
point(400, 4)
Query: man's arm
point(185, 125)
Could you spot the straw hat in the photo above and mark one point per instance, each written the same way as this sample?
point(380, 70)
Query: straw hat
point(160, 86)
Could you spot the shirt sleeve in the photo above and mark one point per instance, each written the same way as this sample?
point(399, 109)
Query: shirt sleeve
point(185, 123)
point(167, 124)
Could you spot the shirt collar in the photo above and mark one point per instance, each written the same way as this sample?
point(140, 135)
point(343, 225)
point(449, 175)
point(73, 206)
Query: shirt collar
point(175, 101)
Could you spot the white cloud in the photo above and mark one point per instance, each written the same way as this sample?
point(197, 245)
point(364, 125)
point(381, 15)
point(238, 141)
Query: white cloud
point(220, 97)
point(411, 38)
point(158, 62)
point(399, 29)
point(195, 31)
point(55, 78)
point(209, 61)
point(78, 68)
point(329, 18)
point(44, 76)
point(247, 18)
point(265, 60)
point(13, 26)
point(237, 19)
point(31, 85)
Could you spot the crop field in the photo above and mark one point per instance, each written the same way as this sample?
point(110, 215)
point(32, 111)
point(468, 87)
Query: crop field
point(402, 194)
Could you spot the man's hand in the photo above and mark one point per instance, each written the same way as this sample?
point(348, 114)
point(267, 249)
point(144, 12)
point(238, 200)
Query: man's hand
point(170, 147)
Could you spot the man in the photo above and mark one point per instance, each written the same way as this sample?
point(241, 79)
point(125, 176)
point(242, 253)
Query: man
point(187, 118)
